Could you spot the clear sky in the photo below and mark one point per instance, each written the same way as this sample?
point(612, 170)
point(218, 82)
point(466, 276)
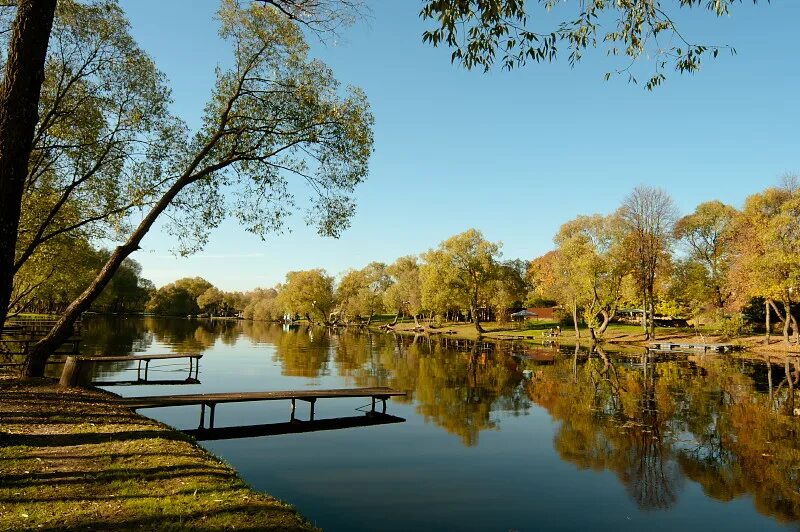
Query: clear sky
point(514, 154)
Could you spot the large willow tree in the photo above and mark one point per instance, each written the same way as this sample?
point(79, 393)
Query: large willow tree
point(274, 117)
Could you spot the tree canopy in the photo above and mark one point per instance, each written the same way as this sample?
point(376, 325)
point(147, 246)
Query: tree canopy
point(465, 263)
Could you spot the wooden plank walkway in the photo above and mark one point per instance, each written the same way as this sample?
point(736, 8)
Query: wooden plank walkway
point(213, 399)
point(675, 346)
point(76, 368)
point(143, 382)
point(127, 358)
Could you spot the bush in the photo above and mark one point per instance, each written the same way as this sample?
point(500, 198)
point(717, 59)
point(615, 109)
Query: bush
point(732, 326)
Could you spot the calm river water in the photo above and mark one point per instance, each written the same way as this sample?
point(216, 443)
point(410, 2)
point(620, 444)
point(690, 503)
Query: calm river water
point(496, 437)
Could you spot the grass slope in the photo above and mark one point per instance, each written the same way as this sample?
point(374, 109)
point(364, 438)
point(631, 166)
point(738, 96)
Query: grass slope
point(73, 460)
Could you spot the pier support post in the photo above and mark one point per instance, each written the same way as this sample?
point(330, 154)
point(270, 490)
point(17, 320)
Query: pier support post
point(202, 416)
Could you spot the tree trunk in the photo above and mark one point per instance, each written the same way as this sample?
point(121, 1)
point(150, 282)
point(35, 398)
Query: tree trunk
point(369, 320)
point(652, 301)
point(41, 351)
point(19, 112)
point(766, 321)
point(606, 320)
point(787, 322)
point(475, 314)
point(476, 318)
point(575, 320)
point(644, 312)
point(396, 317)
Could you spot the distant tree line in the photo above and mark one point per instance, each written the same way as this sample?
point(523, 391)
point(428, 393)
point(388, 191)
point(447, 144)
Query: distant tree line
point(718, 266)
point(464, 278)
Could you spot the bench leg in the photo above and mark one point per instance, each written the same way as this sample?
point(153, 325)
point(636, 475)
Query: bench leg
point(212, 406)
point(291, 418)
point(146, 367)
point(311, 417)
point(202, 416)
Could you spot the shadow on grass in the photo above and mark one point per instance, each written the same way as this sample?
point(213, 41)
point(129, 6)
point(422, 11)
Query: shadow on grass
point(198, 520)
point(85, 438)
point(140, 474)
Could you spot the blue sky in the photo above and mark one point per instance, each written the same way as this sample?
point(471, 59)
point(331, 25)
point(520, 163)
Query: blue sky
point(514, 154)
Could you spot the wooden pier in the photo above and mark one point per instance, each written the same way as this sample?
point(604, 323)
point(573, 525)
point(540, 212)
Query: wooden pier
point(211, 400)
point(77, 369)
point(693, 347)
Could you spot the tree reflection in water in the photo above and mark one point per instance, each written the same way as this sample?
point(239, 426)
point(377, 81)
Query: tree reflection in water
point(656, 423)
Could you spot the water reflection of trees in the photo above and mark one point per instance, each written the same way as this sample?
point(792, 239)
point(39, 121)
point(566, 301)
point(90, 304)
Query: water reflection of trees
point(460, 391)
point(656, 423)
point(192, 336)
point(121, 336)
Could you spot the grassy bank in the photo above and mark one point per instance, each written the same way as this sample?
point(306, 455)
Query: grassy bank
point(73, 460)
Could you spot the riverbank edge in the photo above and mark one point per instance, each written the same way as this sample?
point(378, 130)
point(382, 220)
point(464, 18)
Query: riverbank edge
point(72, 459)
point(748, 345)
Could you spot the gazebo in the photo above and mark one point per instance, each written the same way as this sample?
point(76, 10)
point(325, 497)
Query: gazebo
point(523, 315)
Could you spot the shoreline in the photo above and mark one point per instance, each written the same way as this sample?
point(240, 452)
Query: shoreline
point(72, 460)
point(753, 344)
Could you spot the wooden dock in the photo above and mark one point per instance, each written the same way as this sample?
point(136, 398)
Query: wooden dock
point(211, 400)
point(149, 382)
point(693, 347)
point(77, 369)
